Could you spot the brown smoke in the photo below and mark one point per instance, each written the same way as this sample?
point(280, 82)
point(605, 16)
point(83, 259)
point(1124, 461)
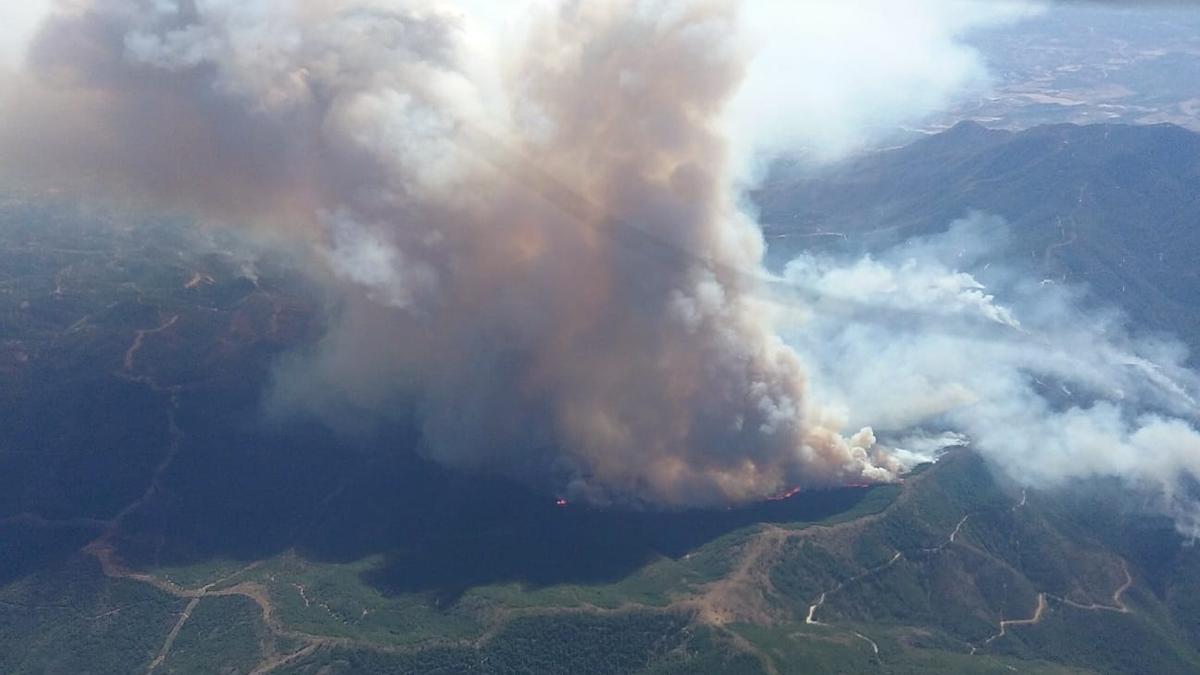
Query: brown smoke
point(539, 244)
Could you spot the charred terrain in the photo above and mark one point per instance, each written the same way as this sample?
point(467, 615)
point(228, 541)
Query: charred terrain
point(156, 517)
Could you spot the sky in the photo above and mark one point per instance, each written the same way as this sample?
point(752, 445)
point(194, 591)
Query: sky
point(827, 77)
point(18, 21)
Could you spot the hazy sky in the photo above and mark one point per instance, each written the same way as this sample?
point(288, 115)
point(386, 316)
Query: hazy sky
point(17, 21)
point(827, 75)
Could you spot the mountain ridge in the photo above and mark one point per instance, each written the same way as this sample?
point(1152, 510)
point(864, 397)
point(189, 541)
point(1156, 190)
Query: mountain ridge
point(1112, 207)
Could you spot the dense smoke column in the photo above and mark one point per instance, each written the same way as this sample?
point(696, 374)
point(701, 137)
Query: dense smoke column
point(537, 244)
point(533, 242)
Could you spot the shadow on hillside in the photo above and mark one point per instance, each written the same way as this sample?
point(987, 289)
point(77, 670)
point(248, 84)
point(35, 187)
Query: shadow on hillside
point(438, 531)
point(27, 547)
point(495, 533)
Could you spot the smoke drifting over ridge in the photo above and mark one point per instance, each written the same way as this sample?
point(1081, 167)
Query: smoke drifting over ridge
point(536, 336)
point(537, 242)
point(1048, 391)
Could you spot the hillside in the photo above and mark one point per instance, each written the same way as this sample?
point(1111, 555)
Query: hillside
point(154, 519)
point(1114, 207)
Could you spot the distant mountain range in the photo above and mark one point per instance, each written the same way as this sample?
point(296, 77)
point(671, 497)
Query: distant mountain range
point(1115, 207)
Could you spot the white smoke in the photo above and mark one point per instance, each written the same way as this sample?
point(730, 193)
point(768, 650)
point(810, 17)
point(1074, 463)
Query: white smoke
point(18, 21)
point(1047, 390)
point(831, 77)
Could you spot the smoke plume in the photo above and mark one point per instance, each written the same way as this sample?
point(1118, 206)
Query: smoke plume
point(529, 218)
point(537, 245)
point(1047, 390)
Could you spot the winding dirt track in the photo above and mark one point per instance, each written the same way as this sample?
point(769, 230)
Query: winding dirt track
point(812, 609)
point(140, 337)
point(1118, 604)
point(1040, 608)
point(104, 551)
point(1038, 613)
